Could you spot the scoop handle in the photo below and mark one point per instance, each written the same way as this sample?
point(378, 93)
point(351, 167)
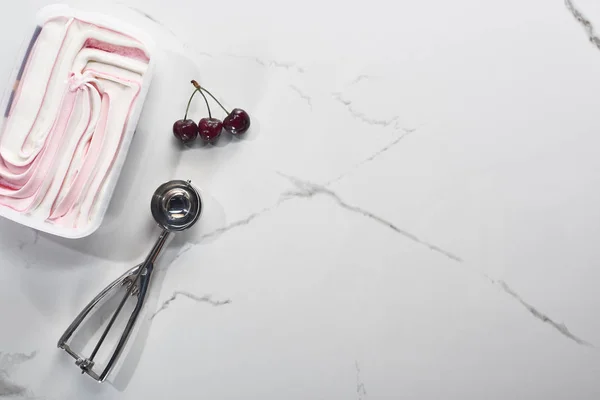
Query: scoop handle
point(139, 277)
point(143, 284)
point(90, 306)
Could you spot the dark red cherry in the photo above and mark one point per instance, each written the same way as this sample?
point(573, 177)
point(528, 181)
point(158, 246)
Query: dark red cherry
point(185, 130)
point(237, 122)
point(210, 129)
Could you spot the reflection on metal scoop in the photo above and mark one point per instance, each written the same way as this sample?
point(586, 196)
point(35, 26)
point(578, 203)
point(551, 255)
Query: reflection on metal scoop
point(176, 206)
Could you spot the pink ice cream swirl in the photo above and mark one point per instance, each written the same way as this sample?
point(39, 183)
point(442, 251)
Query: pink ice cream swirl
point(66, 123)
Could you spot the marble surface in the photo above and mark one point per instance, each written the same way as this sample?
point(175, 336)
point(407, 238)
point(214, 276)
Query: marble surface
point(413, 216)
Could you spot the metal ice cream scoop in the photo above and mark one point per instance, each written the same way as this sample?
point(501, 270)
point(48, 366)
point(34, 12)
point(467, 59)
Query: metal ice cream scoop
point(176, 206)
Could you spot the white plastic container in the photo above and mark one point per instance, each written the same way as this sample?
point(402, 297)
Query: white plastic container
point(102, 199)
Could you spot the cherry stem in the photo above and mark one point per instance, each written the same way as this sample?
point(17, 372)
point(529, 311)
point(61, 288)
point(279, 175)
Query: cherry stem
point(206, 101)
point(197, 86)
point(215, 99)
point(189, 103)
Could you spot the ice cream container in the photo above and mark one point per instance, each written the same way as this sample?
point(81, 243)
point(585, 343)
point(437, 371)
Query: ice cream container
point(70, 111)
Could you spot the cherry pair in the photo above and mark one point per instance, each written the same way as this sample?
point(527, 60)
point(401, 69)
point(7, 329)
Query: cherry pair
point(209, 129)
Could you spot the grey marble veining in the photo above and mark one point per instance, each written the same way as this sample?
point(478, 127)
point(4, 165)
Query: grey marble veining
point(9, 363)
point(561, 327)
point(587, 24)
point(198, 299)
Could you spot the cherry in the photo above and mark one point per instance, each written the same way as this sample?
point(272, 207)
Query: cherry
point(237, 122)
point(210, 129)
point(185, 130)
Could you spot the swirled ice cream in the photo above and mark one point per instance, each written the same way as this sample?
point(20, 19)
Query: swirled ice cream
point(66, 120)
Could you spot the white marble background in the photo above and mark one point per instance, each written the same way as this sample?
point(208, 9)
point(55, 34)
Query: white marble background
point(414, 215)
